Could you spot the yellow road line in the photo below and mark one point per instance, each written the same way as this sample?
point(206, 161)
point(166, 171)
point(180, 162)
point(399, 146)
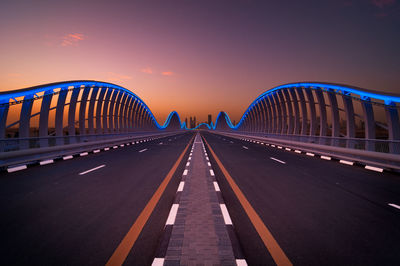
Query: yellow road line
point(123, 249)
point(269, 241)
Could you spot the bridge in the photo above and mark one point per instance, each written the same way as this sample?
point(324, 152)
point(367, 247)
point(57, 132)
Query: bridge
point(308, 176)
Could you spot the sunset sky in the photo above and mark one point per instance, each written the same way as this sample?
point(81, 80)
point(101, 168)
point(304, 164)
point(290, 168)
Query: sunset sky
point(200, 57)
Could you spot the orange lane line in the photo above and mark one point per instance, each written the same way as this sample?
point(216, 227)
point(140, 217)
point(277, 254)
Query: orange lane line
point(269, 241)
point(123, 249)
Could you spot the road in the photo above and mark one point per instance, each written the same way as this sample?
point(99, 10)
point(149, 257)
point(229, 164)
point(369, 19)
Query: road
point(52, 215)
point(78, 211)
point(320, 212)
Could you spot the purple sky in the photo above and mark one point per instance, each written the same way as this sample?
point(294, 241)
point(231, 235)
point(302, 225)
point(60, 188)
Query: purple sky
point(201, 57)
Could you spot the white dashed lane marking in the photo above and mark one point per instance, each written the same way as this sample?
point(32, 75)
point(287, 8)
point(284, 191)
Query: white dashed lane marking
point(143, 150)
point(244, 147)
point(93, 169)
point(277, 160)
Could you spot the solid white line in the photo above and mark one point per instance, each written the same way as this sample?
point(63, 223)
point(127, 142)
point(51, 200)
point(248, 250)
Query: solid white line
point(241, 262)
point(68, 157)
point(16, 168)
point(83, 154)
point(346, 162)
point(279, 161)
point(326, 157)
point(185, 172)
point(93, 169)
point(106, 149)
point(216, 187)
point(96, 151)
point(188, 163)
point(244, 147)
point(158, 262)
point(181, 185)
point(287, 149)
point(208, 163)
point(172, 214)
point(143, 150)
point(297, 151)
point(376, 169)
point(394, 205)
point(46, 162)
point(225, 214)
point(310, 154)
point(211, 172)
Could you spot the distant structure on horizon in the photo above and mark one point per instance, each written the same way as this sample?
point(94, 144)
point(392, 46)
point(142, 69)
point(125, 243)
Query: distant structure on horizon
point(209, 119)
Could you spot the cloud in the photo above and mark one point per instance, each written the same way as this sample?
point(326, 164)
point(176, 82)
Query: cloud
point(167, 73)
point(383, 3)
point(72, 39)
point(147, 70)
point(117, 77)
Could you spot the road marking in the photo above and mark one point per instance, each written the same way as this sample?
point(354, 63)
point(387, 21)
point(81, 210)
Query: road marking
point(216, 187)
point(68, 157)
point(143, 150)
point(287, 149)
point(394, 205)
point(96, 151)
point(241, 262)
point(297, 151)
point(188, 163)
point(231, 142)
point(326, 157)
point(181, 185)
point(93, 169)
point(376, 169)
point(190, 158)
point(279, 161)
point(158, 262)
point(169, 139)
point(185, 172)
point(310, 154)
point(272, 145)
point(211, 172)
point(269, 241)
point(46, 162)
point(123, 249)
point(115, 147)
point(127, 144)
point(160, 143)
point(83, 154)
point(346, 162)
point(279, 147)
point(172, 214)
point(106, 149)
point(16, 168)
point(191, 154)
point(122, 145)
point(225, 214)
point(244, 147)
point(208, 163)
point(207, 158)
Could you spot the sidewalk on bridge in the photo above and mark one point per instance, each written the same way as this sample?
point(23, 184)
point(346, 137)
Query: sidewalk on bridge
point(199, 235)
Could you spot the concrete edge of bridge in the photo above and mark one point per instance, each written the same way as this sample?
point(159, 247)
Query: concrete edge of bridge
point(387, 162)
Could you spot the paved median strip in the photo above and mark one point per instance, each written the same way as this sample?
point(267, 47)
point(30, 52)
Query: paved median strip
point(93, 169)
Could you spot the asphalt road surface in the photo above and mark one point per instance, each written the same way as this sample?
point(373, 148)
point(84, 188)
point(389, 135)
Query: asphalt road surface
point(76, 212)
point(319, 212)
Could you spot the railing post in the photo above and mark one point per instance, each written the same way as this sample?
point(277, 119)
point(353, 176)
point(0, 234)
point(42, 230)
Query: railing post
point(350, 123)
point(106, 103)
point(279, 112)
point(71, 115)
point(24, 121)
point(335, 118)
point(60, 116)
point(322, 116)
point(313, 115)
point(284, 113)
point(290, 112)
point(369, 124)
point(111, 111)
point(44, 118)
point(392, 118)
point(92, 102)
point(100, 104)
point(304, 116)
point(296, 130)
point(82, 112)
point(4, 107)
